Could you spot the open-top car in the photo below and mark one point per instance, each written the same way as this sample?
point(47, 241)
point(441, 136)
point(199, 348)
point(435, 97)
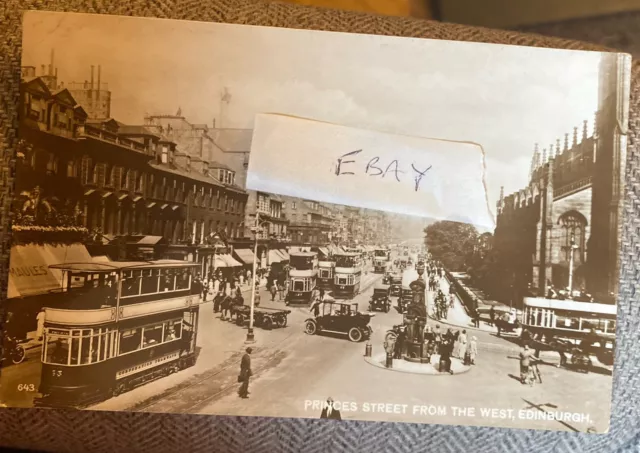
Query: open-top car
point(380, 299)
point(344, 319)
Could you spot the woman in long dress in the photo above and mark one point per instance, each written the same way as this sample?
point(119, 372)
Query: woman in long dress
point(462, 344)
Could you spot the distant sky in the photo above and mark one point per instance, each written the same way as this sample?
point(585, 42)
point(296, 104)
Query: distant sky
point(502, 97)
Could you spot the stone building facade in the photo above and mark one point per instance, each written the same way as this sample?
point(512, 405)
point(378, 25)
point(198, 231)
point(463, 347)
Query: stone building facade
point(570, 207)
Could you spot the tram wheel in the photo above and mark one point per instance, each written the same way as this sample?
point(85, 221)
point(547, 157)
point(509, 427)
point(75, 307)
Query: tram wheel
point(355, 334)
point(18, 354)
point(310, 327)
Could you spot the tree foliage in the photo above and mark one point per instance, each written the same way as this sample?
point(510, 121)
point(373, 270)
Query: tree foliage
point(452, 243)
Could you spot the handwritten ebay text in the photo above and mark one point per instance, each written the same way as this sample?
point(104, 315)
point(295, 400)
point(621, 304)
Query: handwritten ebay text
point(347, 164)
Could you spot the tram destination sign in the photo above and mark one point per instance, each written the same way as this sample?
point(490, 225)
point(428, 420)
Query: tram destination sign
point(235, 220)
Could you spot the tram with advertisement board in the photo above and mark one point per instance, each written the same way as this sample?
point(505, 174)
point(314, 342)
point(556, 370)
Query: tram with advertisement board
point(347, 275)
point(569, 324)
point(118, 325)
point(303, 273)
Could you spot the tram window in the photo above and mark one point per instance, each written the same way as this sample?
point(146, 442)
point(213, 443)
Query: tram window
point(567, 322)
point(57, 350)
point(130, 340)
point(182, 282)
point(75, 347)
point(88, 351)
point(149, 282)
point(167, 280)
point(152, 335)
point(298, 285)
point(172, 330)
point(131, 286)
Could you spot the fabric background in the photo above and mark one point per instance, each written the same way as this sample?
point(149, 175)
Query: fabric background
point(77, 431)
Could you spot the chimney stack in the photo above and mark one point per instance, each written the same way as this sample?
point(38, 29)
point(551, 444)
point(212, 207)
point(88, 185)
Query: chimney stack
point(98, 87)
point(51, 64)
point(91, 86)
point(44, 71)
point(585, 130)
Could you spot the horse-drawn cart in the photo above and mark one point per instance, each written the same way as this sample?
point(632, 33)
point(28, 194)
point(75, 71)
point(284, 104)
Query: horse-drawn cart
point(266, 318)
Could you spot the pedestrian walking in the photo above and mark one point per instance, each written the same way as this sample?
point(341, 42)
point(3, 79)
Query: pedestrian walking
point(492, 315)
point(280, 291)
point(330, 412)
point(472, 352)
point(462, 344)
point(476, 318)
point(245, 374)
point(526, 356)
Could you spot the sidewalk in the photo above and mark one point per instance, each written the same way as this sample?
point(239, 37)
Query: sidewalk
point(457, 315)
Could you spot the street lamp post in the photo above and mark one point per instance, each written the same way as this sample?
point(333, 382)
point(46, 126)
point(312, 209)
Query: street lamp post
point(572, 248)
point(250, 334)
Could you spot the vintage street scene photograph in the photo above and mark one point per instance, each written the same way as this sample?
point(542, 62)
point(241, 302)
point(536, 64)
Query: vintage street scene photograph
point(147, 275)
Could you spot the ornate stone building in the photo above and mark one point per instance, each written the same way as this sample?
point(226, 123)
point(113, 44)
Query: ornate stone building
point(570, 206)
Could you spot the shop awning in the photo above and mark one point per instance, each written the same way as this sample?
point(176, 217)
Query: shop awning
point(29, 272)
point(226, 260)
point(285, 255)
point(274, 257)
point(324, 251)
point(245, 255)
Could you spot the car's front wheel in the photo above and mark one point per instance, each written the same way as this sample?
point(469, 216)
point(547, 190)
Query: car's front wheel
point(355, 334)
point(310, 328)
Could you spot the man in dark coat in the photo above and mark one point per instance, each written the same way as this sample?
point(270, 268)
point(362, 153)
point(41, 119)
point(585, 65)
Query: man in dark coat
point(329, 411)
point(245, 374)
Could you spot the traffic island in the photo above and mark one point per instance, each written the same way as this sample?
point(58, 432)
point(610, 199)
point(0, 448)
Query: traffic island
point(414, 367)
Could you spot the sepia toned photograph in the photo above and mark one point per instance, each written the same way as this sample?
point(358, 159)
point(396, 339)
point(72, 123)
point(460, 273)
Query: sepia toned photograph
point(233, 220)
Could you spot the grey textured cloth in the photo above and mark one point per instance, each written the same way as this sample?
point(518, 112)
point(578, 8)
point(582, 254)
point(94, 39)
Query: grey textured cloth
point(106, 431)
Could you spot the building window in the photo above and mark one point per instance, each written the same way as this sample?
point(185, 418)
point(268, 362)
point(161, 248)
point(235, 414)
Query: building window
point(108, 176)
point(72, 169)
point(164, 156)
point(139, 182)
point(52, 164)
point(293, 205)
point(124, 178)
point(572, 235)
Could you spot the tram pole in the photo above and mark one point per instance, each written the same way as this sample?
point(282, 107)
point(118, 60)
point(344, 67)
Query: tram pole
point(250, 336)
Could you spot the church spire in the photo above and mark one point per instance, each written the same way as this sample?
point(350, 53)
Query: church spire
point(566, 141)
point(575, 136)
point(585, 130)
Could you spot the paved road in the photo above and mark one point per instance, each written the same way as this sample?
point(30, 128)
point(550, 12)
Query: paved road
point(292, 370)
point(317, 367)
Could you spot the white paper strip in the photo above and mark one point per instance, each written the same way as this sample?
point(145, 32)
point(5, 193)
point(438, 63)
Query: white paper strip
point(431, 178)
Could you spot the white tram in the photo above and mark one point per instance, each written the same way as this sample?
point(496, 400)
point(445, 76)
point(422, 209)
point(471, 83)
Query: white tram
point(348, 272)
point(572, 321)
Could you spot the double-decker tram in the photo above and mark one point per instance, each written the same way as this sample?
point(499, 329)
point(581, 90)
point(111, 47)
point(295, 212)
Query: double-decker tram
point(303, 272)
point(348, 272)
point(380, 258)
point(118, 325)
point(549, 320)
point(325, 274)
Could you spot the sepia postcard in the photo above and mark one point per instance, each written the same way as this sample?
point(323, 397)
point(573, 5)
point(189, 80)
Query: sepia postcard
point(236, 220)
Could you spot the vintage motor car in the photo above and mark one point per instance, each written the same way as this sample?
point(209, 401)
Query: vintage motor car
point(406, 297)
point(343, 319)
point(380, 299)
